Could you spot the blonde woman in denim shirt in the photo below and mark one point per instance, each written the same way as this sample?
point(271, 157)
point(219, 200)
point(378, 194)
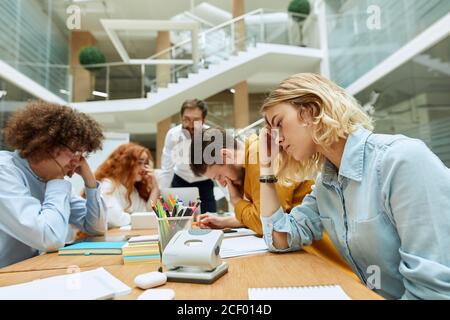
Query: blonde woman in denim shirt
point(384, 199)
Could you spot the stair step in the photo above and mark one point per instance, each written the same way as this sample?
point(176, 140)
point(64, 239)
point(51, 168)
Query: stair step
point(181, 80)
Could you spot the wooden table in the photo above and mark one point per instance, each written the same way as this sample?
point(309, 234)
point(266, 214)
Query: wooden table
point(51, 261)
point(260, 270)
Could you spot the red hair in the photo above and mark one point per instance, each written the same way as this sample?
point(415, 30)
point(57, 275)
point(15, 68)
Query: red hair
point(121, 167)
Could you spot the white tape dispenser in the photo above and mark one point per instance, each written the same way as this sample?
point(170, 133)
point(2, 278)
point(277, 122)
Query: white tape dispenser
point(193, 256)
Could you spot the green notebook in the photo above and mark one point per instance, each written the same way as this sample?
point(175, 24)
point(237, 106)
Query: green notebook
point(88, 248)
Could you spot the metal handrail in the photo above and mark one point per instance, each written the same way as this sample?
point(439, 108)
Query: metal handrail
point(172, 72)
point(204, 33)
point(174, 47)
point(222, 25)
point(210, 50)
point(195, 17)
point(144, 62)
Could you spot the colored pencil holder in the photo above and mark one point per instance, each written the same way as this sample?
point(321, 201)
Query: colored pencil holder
point(168, 227)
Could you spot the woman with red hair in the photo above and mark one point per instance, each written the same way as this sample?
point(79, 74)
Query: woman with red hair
point(128, 183)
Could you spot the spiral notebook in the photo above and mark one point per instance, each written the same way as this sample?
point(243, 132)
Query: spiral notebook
point(331, 292)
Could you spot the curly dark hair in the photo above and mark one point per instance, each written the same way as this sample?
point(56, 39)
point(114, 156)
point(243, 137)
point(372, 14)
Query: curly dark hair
point(41, 127)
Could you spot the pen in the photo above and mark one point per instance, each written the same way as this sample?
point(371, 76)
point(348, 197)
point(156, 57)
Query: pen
point(227, 230)
point(163, 207)
point(172, 201)
point(161, 210)
point(186, 213)
point(174, 211)
point(163, 203)
point(166, 208)
point(154, 208)
point(197, 204)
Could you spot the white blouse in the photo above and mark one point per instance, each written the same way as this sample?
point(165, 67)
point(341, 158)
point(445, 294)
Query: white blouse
point(116, 203)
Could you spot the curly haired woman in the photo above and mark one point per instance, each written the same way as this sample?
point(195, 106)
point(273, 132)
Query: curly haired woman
point(36, 204)
point(128, 183)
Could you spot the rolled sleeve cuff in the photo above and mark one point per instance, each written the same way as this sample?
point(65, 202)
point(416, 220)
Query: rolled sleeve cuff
point(269, 225)
point(95, 200)
point(93, 193)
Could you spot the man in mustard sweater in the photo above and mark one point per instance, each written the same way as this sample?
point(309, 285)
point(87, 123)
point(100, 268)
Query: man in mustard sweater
point(217, 155)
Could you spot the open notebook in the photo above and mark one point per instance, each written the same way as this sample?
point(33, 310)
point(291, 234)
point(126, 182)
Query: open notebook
point(332, 292)
point(95, 284)
point(242, 246)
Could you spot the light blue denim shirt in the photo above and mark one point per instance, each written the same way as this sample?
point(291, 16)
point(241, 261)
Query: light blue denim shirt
point(387, 211)
point(35, 215)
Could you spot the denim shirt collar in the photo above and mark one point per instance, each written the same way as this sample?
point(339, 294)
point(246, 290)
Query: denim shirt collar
point(25, 164)
point(352, 162)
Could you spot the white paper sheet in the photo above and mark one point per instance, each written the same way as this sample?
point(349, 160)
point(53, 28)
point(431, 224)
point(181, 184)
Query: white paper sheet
point(241, 246)
point(332, 292)
point(96, 284)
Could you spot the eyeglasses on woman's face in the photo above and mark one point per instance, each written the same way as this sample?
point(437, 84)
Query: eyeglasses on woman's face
point(77, 154)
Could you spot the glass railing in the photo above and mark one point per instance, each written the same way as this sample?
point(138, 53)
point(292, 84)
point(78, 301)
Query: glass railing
point(363, 34)
point(220, 114)
point(263, 25)
point(215, 45)
point(33, 42)
point(252, 129)
point(54, 77)
point(143, 78)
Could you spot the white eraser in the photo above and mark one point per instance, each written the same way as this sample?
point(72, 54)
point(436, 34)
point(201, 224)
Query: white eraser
point(150, 280)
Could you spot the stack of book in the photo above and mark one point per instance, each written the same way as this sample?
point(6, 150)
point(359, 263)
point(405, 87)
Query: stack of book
point(141, 250)
point(88, 248)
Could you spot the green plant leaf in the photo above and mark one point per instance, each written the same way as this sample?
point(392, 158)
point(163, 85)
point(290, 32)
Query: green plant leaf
point(91, 55)
point(300, 7)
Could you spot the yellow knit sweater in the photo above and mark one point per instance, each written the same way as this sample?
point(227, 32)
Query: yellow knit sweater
point(247, 211)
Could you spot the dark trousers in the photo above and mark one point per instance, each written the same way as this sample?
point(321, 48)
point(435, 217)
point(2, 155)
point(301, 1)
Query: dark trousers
point(206, 191)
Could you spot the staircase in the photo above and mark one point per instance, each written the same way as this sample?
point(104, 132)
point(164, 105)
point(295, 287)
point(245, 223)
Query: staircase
point(433, 64)
point(267, 53)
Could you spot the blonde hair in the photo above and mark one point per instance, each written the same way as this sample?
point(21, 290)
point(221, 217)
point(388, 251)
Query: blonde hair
point(334, 113)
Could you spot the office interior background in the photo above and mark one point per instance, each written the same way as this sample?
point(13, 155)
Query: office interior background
point(142, 59)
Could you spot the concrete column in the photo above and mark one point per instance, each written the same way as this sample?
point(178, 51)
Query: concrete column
point(83, 80)
point(241, 105)
point(163, 70)
point(239, 26)
point(162, 127)
point(162, 80)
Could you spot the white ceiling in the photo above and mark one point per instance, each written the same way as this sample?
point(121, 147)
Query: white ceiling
point(152, 9)
point(138, 44)
point(94, 10)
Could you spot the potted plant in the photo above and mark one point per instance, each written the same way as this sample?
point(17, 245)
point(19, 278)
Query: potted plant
point(91, 55)
point(303, 8)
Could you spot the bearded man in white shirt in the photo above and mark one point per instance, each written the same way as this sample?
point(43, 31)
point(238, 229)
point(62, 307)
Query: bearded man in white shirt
point(175, 168)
